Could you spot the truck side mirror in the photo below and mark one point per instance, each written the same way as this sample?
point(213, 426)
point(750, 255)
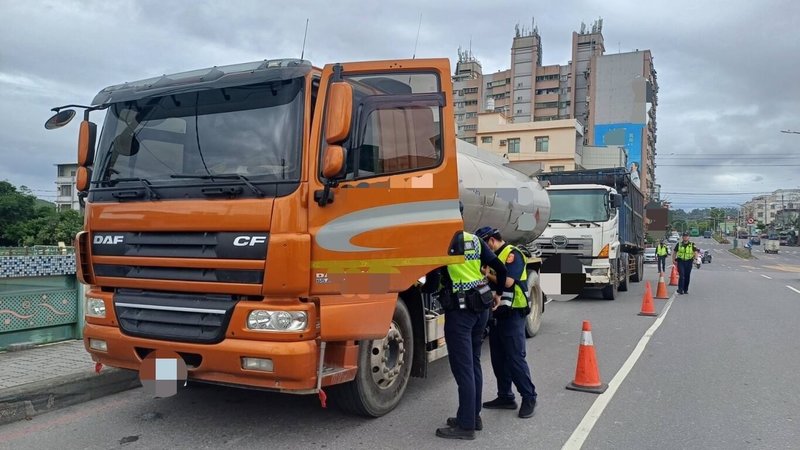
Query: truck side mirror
point(616, 200)
point(339, 112)
point(60, 119)
point(86, 142)
point(332, 161)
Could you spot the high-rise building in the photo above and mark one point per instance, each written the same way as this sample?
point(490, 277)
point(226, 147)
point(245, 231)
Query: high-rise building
point(608, 95)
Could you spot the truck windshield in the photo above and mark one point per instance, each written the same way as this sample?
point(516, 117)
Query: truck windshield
point(578, 205)
point(186, 138)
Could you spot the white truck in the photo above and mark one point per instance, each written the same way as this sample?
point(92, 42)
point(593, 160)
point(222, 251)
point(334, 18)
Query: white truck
point(598, 216)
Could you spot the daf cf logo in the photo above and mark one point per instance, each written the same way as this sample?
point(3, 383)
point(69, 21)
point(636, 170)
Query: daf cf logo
point(249, 241)
point(559, 241)
point(108, 239)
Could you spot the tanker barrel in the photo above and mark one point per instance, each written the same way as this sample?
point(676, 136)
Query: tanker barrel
point(500, 197)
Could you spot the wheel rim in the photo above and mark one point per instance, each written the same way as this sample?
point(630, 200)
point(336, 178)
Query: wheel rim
point(387, 358)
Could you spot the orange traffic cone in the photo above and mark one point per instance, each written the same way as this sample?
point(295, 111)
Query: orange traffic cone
point(661, 291)
point(587, 375)
point(647, 302)
point(673, 279)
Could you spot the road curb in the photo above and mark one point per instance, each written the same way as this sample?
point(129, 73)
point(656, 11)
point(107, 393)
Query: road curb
point(29, 400)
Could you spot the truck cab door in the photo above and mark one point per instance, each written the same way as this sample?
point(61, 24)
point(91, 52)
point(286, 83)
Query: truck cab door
point(383, 180)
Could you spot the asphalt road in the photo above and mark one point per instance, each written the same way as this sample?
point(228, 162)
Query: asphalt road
point(719, 372)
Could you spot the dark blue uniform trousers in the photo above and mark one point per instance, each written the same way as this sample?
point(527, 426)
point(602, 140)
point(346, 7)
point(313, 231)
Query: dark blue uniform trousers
point(463, 331)
point(507, 346)
point(684, 274)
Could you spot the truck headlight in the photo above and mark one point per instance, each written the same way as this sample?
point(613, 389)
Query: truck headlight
point(263, 320)
point(95, 307)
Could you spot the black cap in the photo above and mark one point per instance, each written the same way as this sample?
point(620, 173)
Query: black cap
point(685, 233)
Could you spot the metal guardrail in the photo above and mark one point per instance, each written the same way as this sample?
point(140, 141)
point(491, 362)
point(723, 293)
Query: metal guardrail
point(37, 250)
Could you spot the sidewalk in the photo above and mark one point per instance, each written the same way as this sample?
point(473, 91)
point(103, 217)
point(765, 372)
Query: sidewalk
point(54, 376)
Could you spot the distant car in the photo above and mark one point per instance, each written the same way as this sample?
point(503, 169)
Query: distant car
point(706, 258)
point(673, 240)
point(755, 240)
point(707, 234)
point(650, 255)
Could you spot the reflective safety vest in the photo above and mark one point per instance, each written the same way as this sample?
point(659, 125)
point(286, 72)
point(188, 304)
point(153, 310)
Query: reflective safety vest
point(517, 298)
point(685, 252)
point(468, 275)
point(661, 250)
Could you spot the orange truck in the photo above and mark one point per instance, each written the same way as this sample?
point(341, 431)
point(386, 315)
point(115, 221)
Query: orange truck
point(270, 223)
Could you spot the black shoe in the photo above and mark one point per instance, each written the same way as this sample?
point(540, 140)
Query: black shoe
point(685, 292)
point(453, 422)
point(526, 410)
point(500, 403)
point(680, 292)
point(455, 433)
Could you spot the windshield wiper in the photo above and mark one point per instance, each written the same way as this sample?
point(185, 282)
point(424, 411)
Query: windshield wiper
point(224, 176)
point(583, 221)
point(563, 221)
point(147, 186)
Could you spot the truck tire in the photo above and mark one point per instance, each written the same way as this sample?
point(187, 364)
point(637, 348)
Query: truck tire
point(534, 320)
point(639, 274)
point(624, 265)
point(610, 292)
point(384, 368)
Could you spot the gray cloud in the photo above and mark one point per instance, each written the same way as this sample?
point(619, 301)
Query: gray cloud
point(726, 69)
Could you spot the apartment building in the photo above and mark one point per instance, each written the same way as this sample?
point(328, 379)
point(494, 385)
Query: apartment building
point(766, 208)
point(66, 195)
point(613, 97)
point(556, 145)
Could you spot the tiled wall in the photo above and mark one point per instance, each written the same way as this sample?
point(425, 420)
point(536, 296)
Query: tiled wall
point(36, 266)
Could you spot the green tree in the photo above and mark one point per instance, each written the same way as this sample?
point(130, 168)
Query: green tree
point(24, 224)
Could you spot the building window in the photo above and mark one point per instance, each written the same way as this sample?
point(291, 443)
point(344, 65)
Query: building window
point(760, 215)
point(469, 140)
point(542, 143)
point(513, 145)
point(547, 77)
point(519, 111)
point(503, 142)
point(556, 168)
point(472, 90)
point(470, 127)
point(471, 102)
point(471, 115)
point(65, 191)
point(547, 105)
point(486, 140)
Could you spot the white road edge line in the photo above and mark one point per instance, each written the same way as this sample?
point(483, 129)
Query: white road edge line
point(793, 289)
point(769, 278)
point(578, 437)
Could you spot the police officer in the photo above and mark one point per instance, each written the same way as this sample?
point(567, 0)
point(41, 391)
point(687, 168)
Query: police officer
point(507, 329)
point(466, 299)
point(661, 253)
point(682, 257)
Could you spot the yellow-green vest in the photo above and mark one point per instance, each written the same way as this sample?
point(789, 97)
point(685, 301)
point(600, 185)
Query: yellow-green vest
point(468, 275)
point(686, 251)
point(661, 250)
point(520, 300)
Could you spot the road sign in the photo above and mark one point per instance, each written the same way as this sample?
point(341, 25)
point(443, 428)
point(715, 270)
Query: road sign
point(751, 221)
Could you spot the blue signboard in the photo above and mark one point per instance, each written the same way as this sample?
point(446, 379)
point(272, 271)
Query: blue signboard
point(628, 135)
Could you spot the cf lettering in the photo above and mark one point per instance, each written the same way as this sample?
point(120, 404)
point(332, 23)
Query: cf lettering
point(245, 241)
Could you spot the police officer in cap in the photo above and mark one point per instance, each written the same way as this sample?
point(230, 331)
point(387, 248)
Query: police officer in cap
point(466, 298)
point(507, 329)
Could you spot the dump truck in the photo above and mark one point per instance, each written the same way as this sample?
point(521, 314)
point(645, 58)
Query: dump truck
point(598, 217)
point(269, 224)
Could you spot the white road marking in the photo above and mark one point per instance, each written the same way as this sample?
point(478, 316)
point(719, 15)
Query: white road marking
point(769, 278)
point(580, 434)
point(793, 289)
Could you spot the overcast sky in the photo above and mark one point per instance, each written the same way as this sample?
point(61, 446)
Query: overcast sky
point(727, 70)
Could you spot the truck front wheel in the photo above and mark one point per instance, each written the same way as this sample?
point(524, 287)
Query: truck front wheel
point(384, 367)
point(534, 320)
